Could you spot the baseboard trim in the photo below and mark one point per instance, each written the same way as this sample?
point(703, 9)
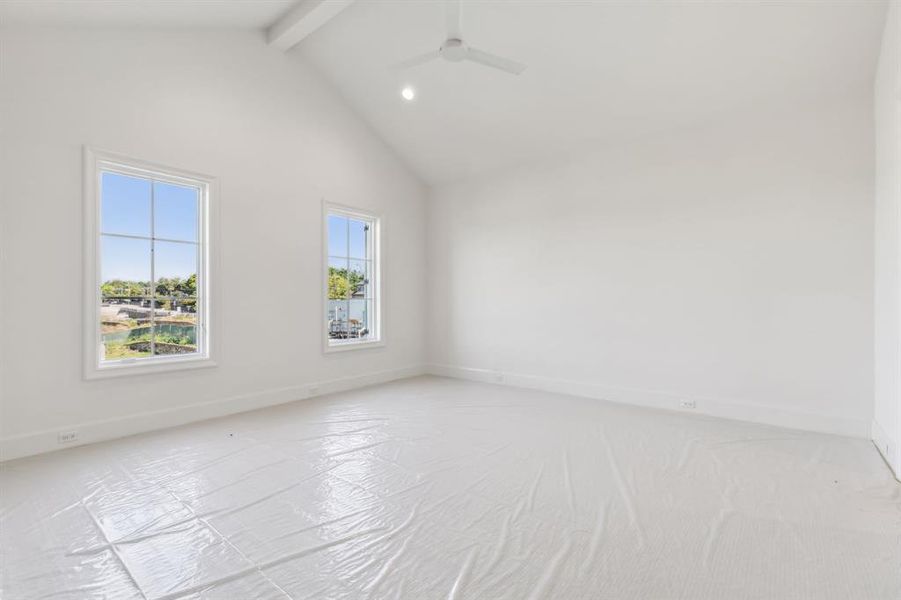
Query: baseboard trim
point(91, 432)
point(890, 453)
point(727, 409)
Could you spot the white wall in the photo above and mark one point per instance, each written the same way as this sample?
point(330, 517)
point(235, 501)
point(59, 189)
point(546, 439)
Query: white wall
point(732, 266)
point(227, 105)
point(887, 410)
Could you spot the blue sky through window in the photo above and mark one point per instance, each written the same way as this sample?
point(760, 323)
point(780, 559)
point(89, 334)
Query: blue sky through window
point(126, 210)
point(175, 212)
point(127, 259)
point(337, 236)
point(340, 229)
point(125, 203)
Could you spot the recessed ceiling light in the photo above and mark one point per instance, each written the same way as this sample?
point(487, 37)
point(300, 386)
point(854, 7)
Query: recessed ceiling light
point(408, 93)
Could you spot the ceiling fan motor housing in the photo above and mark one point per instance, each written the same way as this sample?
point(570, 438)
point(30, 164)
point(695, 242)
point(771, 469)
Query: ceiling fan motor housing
point(453, 50)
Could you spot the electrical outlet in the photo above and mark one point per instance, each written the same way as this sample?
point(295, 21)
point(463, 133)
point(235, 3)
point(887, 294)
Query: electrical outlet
point(688, 404)
point(66, 437)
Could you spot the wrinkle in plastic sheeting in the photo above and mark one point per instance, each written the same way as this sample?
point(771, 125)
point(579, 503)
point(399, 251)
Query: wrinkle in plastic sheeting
point(431, 488)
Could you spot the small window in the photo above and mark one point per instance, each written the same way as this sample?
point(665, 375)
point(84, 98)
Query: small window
point(352, 279)
point(150, 277)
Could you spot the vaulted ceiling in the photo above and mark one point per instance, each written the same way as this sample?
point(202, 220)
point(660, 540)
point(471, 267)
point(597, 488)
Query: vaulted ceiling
point(599, 72)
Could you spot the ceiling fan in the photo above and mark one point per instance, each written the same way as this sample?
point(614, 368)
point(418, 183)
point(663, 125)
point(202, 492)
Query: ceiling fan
point(454, 49)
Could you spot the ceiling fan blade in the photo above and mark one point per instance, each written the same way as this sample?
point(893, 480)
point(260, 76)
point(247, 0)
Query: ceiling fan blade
point(490, 60)
point(452, 15)
point(418, 60)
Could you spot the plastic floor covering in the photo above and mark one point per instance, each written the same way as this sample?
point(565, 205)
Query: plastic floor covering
point(434, 488)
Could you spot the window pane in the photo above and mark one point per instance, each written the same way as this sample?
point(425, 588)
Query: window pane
point(351, 286)
point(176, 263)
point(124, 205)
point(124, 297)
point(358, 278)
point(175, 211)
point(174, 336)
point(124, 259)
point(358, 319)
point(175, 268)
point(337, 235)
point(359, 234)
point(336, 318)
point(338, 283)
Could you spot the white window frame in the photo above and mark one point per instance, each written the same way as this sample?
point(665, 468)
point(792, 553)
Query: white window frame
point(377, 322)
point(95, 163)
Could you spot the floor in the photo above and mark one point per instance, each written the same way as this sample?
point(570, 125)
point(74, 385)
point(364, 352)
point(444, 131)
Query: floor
point(435, 488)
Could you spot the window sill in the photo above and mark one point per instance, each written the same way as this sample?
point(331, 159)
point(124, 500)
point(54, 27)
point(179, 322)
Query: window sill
point(345, 346)
point(149, 366)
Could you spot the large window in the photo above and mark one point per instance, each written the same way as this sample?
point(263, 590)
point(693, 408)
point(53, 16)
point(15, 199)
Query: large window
point(352, 282)
point(150, 279)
